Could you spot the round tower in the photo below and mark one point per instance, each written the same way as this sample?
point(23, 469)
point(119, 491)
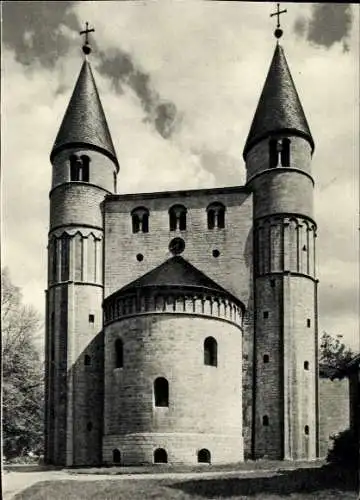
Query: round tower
point(173, 370)
point(278, 154)
point(84, 168)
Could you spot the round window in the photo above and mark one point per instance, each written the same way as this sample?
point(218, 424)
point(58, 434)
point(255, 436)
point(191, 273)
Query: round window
point(177, 246)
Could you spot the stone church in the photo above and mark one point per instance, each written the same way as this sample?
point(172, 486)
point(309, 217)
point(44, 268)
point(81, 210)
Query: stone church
point(182, 326)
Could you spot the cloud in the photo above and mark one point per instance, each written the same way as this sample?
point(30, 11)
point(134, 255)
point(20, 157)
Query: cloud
point(30, 29)
point(328, 24)
point(119, 67)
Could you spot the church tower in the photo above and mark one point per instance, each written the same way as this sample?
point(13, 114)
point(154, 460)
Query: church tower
point(278, 154)
point(84, 168)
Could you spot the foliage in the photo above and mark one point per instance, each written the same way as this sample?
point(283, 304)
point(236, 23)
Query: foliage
point(333, 352)
point(22, 371)
point(344, 450)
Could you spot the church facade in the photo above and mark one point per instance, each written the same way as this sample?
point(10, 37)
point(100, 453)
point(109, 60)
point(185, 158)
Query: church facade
point(182, 326)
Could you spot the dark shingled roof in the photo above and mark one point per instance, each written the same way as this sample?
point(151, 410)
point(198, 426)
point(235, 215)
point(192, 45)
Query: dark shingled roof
point(84, 122)
point(176, 272)
point(279, 108)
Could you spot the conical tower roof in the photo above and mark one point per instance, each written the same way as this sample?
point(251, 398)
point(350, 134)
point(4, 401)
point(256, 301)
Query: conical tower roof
point(279, 108)
point(84, 122)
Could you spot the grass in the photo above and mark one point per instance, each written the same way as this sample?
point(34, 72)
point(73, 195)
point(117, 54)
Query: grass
point(323, 483)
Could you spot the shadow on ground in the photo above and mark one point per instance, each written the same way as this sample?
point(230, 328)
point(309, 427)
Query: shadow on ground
point(284, 482)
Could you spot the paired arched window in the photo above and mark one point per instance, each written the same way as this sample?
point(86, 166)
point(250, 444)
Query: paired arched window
point(79, 168)
point(204, 456)
point(279, 150)
point(160, 456)
point(140, 220)
point(119, 353)
point(215, 216)
point(210, 351)
point(161, 392)
point(116, 455)
point(177, 218)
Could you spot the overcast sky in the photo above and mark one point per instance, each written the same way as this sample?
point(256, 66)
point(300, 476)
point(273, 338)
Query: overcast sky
point(179, 82)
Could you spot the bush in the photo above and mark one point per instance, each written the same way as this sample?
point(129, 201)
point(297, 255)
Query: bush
point(345, 449)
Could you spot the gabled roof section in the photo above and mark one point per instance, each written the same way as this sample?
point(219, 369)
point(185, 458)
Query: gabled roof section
point(279, 108)
point(84, 122)
point(178, 273)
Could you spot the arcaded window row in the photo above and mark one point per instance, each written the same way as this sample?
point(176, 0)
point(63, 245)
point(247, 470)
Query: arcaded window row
point(178, 218)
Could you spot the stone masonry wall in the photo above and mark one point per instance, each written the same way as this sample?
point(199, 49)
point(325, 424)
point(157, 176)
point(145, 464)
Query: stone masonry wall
point(205, 402)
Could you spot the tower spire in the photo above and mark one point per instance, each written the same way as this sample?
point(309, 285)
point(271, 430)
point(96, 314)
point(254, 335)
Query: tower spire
point(84, 122)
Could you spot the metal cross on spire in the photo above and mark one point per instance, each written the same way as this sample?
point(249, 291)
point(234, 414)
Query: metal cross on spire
point(278, 32)
point(86, 47)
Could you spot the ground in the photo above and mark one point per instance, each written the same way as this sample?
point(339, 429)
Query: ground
point(271, 482)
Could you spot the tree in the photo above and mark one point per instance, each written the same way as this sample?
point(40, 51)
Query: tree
point(22, 371)
point(333, 353)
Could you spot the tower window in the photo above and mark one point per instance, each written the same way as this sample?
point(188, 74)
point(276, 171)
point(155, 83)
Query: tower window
point(285, 152)
point(89, 426)
point(273, 153)
point(160, 456)
point(177, 218)
point(216, 216)
point(265, 420)
point(266, 358)
point(266, 314)
point(161, 392)
point(306, 365)
point(91, 318)
point(87, 360)
point(140, 220)
point(272, 283)
point(116, 456)
point(308, 322)
point(119, 353)
point(79, 168)
point(307, 430)
point(210, 351)
point(204, 456)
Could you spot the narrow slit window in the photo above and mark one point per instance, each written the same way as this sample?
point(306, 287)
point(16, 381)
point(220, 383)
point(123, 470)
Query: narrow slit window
point(87, 360)
point(265, 420)
point(306, 365)
point(161, 392)
point(308, 322)
point(307, 430)
point(266, 358)
point(119, 353)
point(266, 314)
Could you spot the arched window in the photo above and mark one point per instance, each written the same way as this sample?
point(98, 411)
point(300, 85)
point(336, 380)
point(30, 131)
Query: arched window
point(140, 220)
point(285, 152)
point(177, 218)
point(79, 168)
point(204, 456)
point(119, 351)
point(116, 456)
point(161, 392)
point(273, 153)
point(160, 456)
point(210, 351)
point(216, 216)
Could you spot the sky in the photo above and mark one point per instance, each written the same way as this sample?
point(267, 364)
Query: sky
point(179, 81)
